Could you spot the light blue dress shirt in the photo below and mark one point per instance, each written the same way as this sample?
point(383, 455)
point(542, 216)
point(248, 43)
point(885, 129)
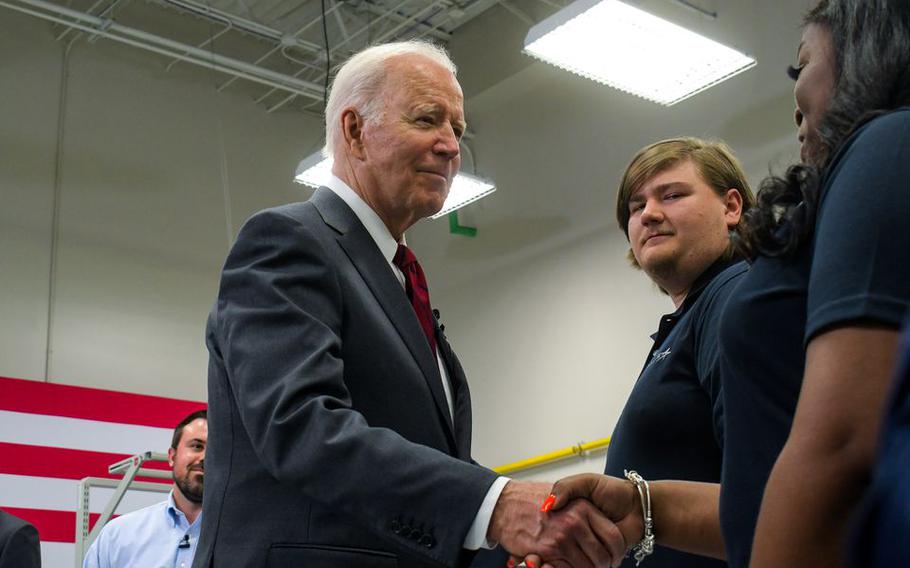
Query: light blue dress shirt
point(158, 536)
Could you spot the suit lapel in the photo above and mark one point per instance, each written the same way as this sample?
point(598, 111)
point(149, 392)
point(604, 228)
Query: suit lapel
point(376, 272)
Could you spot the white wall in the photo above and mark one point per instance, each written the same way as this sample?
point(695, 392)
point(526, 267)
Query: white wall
point(552, 346)
point(142, 222)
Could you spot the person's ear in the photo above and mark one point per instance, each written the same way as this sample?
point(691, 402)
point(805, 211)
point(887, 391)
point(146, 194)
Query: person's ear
point(352, 130)
point(733, 205)
point(171, 454)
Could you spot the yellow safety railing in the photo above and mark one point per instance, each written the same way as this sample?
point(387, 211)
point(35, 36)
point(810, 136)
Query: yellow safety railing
point(579, 449)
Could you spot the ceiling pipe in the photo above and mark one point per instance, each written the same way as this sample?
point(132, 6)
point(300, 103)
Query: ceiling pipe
point(210, 39)
point(242, 24)
point(296, 34)
point(108, 9)
point(333, 50)
point(341, 26)
point(381, 39)
point(164, 46)
point(429, 29)
point(280, 40)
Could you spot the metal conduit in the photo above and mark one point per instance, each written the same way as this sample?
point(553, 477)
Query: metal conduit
point(211, 39)
point(296, 34)
point(381, 39)
point(427, 28)
point(248, 26)
point(334, 49)
point(150, 42)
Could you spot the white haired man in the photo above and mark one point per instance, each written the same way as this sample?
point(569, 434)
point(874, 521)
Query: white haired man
point(341, 418)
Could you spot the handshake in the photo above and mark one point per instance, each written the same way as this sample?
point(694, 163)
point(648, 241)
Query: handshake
point(582, 521)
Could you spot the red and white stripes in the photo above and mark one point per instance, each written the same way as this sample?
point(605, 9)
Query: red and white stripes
point(52, 435)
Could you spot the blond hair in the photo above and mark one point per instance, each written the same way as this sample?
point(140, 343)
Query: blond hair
point(715, 163)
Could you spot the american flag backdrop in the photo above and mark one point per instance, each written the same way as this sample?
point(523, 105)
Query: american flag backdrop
point(52, 435)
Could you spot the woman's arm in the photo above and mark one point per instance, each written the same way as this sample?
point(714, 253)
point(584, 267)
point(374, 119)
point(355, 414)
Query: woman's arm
point(685, 513)
point(826, 463)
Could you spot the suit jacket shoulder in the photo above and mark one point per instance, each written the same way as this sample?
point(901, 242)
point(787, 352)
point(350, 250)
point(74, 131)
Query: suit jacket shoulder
point(19, 545)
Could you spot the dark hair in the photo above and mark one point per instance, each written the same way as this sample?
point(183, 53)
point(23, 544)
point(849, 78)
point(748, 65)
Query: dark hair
point(715, 163)
point(871, 45)
point(178, 430)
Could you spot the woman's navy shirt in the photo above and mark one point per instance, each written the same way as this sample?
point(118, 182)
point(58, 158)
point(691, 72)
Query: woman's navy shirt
point(855, 269)
point(670, 428)
point(883, 523)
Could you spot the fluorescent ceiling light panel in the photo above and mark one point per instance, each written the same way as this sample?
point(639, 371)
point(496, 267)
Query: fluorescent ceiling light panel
point(631, 50)
point(315, 170)
point(465, 189)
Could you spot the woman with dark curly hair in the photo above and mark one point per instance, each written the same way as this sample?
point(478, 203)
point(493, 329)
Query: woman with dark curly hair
point(808, 339)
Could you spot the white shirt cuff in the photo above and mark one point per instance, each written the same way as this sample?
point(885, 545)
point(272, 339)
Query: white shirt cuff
point(477, 535)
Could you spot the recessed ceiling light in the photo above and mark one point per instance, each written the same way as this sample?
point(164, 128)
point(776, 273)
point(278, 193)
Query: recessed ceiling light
point(631, 50)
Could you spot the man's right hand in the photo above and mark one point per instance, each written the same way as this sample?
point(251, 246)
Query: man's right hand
point(578, 535)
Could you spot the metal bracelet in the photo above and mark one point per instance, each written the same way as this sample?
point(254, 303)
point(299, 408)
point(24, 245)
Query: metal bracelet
point(646, 546)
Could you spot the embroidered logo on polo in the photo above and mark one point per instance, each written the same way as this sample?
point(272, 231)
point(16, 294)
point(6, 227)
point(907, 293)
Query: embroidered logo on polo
point(660, 355)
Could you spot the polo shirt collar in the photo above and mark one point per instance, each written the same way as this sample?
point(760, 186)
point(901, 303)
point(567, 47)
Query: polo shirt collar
point(704, 279)
point(668, 321)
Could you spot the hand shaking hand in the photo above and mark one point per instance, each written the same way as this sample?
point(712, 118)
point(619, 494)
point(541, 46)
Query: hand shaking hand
point(582, 497)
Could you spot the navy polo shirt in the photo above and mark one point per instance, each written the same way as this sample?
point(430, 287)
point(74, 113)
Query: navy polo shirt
point(882, 526)
point(854, 270)
point(670, 427)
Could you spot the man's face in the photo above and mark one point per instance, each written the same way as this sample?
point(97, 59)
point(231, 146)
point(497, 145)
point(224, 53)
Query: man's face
point(187, 460)
point(410, 154)
point(678, 224)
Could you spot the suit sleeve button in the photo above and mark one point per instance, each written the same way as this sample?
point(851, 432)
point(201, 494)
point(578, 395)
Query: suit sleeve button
point(396, 526)
point(414, 534)
point(427, 541)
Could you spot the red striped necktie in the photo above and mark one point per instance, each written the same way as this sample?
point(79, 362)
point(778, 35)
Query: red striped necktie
point(417, 291)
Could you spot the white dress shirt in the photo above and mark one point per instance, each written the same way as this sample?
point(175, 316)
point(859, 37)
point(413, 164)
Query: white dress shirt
point(388, 246)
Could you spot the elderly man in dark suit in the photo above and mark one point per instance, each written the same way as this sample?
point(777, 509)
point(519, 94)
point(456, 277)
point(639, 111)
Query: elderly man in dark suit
point(19, 546)
point(339, 417)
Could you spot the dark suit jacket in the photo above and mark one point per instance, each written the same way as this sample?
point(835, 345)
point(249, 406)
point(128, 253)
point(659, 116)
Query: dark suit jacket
point(329, 438)
point(19, 547)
